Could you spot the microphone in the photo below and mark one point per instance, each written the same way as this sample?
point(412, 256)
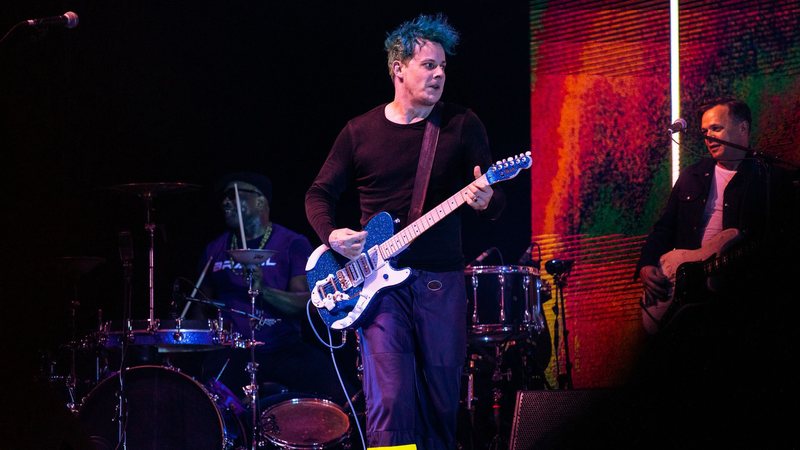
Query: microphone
point(125, 246)
point(527, 257)
point(482, 256)
point(677, 126)
point(69, 19)
point(558, 266)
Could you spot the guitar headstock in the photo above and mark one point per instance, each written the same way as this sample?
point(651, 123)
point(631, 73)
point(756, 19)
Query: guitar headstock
point(508, 168)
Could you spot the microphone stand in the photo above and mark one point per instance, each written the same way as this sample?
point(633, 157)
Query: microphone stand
point(565, 379)
point(559, 269)
point(764, 157)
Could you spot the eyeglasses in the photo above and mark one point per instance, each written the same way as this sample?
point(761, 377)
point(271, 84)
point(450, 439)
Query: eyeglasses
point(230, 193)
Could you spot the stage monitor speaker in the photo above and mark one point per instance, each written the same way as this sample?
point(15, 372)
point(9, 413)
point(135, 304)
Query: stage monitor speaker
point(554, 419)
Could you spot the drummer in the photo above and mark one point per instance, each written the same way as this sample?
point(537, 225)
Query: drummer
point(284, 358)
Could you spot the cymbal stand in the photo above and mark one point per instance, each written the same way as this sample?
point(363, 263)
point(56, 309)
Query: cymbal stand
point(72, 378)
point(150, 227)
point(251, 390)
point(126, 256)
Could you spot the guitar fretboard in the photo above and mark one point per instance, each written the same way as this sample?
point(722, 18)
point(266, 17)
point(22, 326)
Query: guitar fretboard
point(726, 259)
point(406, 236)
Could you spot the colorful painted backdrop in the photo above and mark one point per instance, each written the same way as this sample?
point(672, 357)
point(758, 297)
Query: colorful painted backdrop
point(600, 105)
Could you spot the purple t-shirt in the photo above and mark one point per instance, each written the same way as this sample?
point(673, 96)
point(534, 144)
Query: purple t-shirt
point(230, 285)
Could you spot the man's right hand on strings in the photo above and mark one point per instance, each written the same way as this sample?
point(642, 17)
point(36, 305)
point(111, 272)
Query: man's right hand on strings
point(347, 242)
point(656, 284)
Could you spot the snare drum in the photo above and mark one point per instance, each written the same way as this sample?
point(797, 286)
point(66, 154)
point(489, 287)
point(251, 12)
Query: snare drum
point(503, 301)
point(168, 335)
point(305, 423)
point(166, 410)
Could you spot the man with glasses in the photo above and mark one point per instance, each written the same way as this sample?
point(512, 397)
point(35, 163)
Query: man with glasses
point(284, 358)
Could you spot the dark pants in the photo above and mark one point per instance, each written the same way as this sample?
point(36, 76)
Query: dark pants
point(413, 354)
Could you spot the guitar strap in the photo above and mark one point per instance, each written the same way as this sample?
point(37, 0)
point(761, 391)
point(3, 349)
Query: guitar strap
point(429, 141)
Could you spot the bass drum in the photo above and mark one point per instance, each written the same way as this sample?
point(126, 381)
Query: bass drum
point(166, 410)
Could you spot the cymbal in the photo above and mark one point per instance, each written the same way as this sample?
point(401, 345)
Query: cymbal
point(251, 256)
point(150, 189)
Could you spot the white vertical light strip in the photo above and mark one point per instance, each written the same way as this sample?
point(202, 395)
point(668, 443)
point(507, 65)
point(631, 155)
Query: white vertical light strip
point(675, 83)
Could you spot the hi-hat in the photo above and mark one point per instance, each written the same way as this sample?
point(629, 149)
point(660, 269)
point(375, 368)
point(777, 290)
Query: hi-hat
point(150, 189)
point(251, 256)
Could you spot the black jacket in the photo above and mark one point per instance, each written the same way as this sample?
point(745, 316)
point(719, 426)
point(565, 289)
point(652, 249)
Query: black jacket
point(758, 212)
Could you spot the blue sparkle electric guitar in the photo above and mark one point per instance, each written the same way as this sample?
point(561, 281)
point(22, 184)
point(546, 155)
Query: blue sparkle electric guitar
point(343, 289)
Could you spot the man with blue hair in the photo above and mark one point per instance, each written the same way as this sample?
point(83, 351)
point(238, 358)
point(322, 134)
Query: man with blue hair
point(413, 344)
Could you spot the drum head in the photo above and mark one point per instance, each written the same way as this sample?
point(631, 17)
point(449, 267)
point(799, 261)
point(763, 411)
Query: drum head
point(166, 410)
point(301, 423)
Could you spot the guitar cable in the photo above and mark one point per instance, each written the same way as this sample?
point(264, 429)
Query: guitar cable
point(331, 348)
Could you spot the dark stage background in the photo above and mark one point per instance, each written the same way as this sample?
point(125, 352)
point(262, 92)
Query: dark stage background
point(184, 91)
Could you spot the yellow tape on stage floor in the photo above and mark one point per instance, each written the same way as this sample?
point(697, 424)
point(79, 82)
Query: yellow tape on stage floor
point(396, 447)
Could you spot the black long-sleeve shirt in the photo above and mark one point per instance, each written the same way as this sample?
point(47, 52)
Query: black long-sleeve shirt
point(381, 158)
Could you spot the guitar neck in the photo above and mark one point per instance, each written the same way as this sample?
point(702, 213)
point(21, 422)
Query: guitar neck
point(711, 267)
point(401, 240)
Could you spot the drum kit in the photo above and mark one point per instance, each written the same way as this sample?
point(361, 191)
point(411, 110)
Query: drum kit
point(147, 404)
point(151, 403)
point(509, 347)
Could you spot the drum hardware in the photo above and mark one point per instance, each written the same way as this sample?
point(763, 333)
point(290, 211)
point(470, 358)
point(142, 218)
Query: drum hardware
point(493, 373)
point(70, 269)
point(147, 192)
point(167, 335)
point(560, 269)
point(224, 397)
point(234, 339)
point(505, 302)
point(469, 401)
point(498, 375)
point(250, 259)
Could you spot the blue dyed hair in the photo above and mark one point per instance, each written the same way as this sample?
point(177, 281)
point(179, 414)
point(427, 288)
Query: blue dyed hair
point(399, 44)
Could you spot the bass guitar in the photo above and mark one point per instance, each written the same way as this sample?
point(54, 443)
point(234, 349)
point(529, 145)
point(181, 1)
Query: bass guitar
point(691, 275)
point(343, 289)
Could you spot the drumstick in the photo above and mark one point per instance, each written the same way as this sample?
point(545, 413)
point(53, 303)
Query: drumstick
point(239, 211)
point(223, 369)
point(196, 286)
